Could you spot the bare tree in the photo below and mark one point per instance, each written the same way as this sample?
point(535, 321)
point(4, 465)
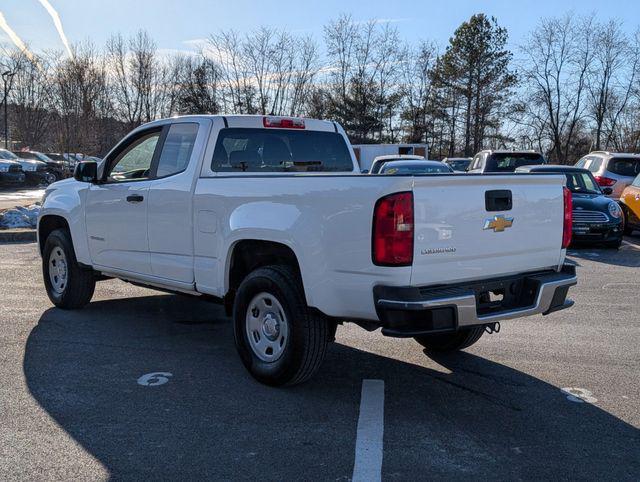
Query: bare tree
point(134, 71)
point(559, 54)
point(81, 100)
point(611, 78)
point(30, 95)
point(226, 49)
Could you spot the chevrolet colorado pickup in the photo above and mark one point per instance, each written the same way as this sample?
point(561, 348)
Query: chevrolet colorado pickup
point(271, 217)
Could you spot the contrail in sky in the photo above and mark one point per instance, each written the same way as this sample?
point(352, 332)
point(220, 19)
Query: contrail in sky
point(17, 41)
point(58, 23)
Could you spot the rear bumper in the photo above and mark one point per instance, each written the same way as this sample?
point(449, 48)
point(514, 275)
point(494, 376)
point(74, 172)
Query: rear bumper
point(406, 312)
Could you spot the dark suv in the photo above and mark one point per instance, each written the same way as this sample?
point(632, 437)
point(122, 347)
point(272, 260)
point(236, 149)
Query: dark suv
point(491, 161)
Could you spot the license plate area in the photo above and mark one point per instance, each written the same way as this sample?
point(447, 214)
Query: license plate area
point(504, 295)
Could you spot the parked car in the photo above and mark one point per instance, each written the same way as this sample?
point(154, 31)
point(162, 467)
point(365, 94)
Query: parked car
point(488, 161)
point(458, 164)
point(60, 157)
point(610, 169)
point(630, 201)
point(596, 218)
point(36, 172)
point(378, 162)
point(367, 153)
point(10, 171)
point(268, 216)
point(56, 168)
point(415, 167)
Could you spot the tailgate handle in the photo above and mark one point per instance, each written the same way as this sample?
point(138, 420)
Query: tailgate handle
point(498, 200)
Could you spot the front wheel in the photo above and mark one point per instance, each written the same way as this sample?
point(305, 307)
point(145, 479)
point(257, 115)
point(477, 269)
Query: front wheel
point(69, 286)
point(614, 244)
point(450, 342)
point(50, 177)
point(279, 339)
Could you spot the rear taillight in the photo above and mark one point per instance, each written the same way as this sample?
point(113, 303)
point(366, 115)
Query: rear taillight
point(283, 122)
point(604, 181)
point(568, 218)
point(393, 230)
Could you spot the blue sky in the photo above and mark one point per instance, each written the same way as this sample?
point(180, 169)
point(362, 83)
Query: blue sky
point(172, 23)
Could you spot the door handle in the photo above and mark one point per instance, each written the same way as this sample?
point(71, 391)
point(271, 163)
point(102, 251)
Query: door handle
point(135, 198)
point(498, 200)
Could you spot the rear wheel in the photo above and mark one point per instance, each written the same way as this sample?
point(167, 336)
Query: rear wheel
point(450, 342)
point(68, 285)
point(279, 339)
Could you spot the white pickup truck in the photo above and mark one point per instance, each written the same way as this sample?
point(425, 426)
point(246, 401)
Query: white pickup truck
point(271, 217)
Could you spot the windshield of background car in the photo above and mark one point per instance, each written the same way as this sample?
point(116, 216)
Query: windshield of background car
point(25, 155)
point(509, 161)
point(460, 165)
point(7, 155)
point(624, 166)
point(389, 168)
point(581, 182)
point(280, 150)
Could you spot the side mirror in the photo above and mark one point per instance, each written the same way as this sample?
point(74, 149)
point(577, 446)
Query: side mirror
point(86, 171)
point(607, 191)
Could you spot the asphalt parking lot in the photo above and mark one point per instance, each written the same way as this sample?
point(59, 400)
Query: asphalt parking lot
point(77, 400)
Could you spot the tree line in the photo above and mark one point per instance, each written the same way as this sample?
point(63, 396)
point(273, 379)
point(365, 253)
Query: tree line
point(572, 86)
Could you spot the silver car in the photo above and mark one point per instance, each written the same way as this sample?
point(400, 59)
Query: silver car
point(611, 169)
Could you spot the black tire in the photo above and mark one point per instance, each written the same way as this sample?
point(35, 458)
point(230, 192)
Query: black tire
point(51, 177)
point(627, 229)
point(304, 348)
point(80, 283)
point(613, 244)
point(450, 342)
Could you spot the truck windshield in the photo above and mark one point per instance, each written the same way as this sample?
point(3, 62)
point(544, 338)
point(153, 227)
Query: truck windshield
point(280, 150)
point(509, 161)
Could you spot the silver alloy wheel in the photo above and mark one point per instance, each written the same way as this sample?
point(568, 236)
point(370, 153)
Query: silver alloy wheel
point(58, 272)
point(267, 327)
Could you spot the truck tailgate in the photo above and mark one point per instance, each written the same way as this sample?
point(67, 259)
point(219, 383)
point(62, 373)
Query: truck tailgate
point(461, 235)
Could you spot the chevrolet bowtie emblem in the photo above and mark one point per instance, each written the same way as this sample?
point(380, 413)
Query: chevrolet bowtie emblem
point(499, 223)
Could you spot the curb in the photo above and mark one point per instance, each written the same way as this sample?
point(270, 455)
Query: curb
point(17, 235)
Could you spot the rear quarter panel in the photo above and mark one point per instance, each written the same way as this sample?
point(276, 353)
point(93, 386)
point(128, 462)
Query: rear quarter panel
point(325, 220)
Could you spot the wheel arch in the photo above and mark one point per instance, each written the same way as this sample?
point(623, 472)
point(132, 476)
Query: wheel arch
point(47, 224)
point(247, 255)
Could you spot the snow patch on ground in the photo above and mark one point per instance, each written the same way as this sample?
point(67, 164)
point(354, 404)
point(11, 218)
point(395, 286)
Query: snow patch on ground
point(20, 217)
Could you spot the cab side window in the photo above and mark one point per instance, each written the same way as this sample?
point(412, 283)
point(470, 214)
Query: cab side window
point(177, 149)
point(134, 163)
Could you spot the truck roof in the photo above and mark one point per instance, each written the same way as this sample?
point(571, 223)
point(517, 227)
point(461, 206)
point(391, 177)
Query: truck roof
point(252, 121)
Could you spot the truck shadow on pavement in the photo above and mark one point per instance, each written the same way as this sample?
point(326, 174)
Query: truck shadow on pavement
point(627, 256)
point(470, 416)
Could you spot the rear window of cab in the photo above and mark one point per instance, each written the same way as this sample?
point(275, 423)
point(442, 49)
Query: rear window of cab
point(280, 150)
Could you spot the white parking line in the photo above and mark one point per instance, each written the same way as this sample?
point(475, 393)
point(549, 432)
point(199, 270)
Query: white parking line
point(368, 460)
point(629, 243)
